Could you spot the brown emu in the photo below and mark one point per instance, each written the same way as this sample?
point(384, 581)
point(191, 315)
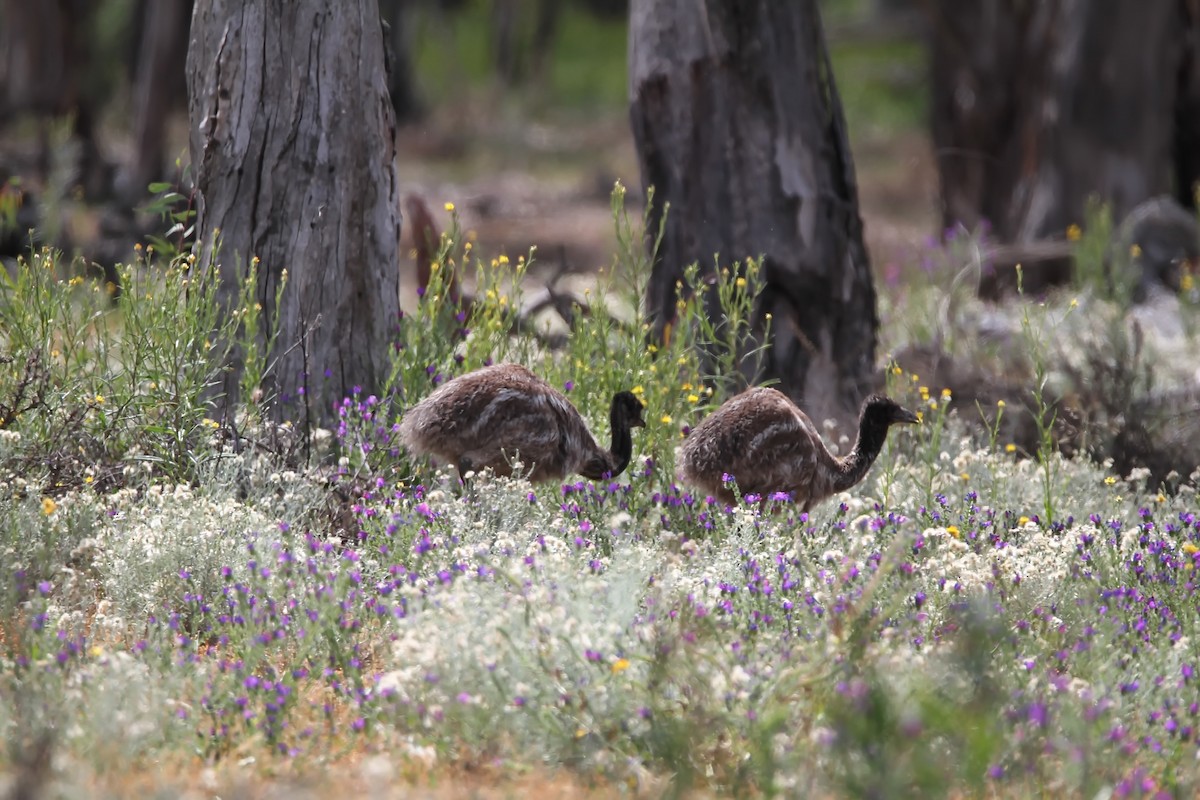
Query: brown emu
point(504, 412)
point(768, 445)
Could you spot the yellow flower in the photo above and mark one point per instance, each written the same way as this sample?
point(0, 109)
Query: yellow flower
point(620, 665)
point(946, 393)
point(920, 416)
point(1190, 548)
point(88, 479)
point(1000, 404)
point(924, 390)
point(638, 389)
point(953, 531)
point(933, 404)
point(966, 476)
point(740, 283)
point(1074, 302)
point(896, 370)
point(580, 733)
point(1110, 480)
point(503, 259)
point(666, 419)
point(692, 398)
point(1074, 233)
point(1187, 282)
point(1023, 521)
point(449, 206)
point(1135, 250)
point(99, 399)
point(49, 506)
point(1162, 498)
point(1010, 448)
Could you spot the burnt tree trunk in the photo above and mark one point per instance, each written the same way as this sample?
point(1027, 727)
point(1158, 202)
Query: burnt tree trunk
point(738, 126)
point(1038, 106)
point(292, 144)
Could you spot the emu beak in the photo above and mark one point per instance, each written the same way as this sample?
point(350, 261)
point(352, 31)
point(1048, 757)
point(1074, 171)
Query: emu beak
point(908, 417)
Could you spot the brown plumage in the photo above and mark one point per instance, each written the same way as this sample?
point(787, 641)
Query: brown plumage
point(769, 445)
point(504, 412)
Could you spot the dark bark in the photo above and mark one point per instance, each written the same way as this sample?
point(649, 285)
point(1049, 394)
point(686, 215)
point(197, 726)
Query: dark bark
point(294, 156)
point(1038, 106)
point(738, 126)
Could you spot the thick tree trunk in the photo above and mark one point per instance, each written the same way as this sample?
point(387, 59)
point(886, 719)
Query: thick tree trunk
point(739, 127)
point(293, 151)
point(1037, 106)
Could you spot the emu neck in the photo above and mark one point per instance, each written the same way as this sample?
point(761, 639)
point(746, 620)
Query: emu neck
point(613, 462)
point(853, 468)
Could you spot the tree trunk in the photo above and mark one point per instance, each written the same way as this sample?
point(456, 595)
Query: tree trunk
point(1038, 106)
point(293, 149)
point(738, 126)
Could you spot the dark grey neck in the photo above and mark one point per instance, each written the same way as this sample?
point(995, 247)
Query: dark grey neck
point(854, 467)
point(612, 463)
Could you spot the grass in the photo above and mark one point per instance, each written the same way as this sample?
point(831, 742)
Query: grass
point(964, 622)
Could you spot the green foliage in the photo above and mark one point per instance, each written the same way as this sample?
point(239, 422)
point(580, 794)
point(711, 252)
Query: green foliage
point(100, 395)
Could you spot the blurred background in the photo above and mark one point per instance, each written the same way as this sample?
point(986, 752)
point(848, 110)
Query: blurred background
point(516, 111)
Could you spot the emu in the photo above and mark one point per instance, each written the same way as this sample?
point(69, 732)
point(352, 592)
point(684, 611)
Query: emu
point(768, 445)
point(483, 419)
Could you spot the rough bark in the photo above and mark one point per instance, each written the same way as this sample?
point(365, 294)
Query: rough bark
point(739, 127)
point(1038, 106)
point(292, 143)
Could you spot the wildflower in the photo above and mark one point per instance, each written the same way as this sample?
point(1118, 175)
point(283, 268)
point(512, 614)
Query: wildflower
point(1023, 521)
point(1187, 282)
point(638, 389)
point(897, 370)
point(449, 206)
point(999, 404)
point(692, 398)
point(1010, 448)
point(946, 393)
point(953, 531)
point(1110, 480)
point(740, 283)
point(49, 506)
point(1074, 233)
point(99, 399)
point(1190, 548)
point(620, 665)
point(666, 419)
point(1135, 250)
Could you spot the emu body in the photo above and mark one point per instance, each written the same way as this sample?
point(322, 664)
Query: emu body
point(488, 418)
point(768, 445)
